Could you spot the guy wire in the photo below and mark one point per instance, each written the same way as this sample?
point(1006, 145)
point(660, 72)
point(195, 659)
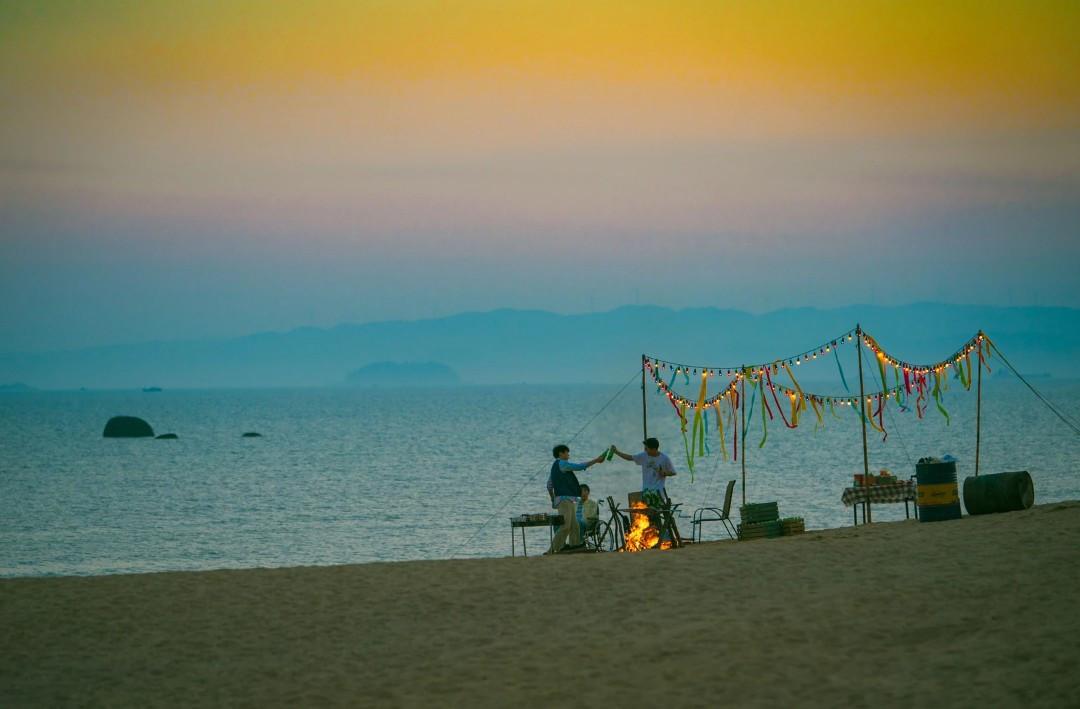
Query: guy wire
point(532, 478)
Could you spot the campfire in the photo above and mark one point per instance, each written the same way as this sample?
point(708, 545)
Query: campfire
point(643, 533)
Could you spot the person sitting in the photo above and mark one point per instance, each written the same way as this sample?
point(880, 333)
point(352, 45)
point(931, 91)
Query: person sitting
point(588, 512)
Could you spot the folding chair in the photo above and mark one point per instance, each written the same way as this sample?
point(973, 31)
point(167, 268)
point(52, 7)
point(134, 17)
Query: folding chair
point(715, 514)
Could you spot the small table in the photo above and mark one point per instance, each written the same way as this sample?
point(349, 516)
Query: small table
point(522, 521)
point(903, 491)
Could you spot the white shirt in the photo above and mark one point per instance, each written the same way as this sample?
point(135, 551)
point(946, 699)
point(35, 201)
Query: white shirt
point(651, 466)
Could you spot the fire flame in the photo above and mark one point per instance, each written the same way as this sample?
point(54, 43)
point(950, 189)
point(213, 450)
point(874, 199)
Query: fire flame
point(642, 533)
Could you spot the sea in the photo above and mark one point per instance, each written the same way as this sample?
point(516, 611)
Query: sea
point(350, 476)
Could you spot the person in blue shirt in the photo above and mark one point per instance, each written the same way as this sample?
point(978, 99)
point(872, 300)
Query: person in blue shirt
point(565, 490)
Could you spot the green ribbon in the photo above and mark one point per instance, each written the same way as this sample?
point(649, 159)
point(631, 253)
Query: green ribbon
point(842, 378)
point(937, 397)
point(705, 438)
point(749, 414)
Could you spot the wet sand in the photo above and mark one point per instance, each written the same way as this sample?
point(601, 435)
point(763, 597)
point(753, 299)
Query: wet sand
point(981, 610)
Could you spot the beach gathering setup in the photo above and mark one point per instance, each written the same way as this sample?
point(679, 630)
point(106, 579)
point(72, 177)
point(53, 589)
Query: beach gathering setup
point(772, 388)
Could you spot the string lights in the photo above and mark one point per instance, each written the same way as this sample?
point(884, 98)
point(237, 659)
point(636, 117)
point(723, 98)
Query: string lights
point(752, 373)
point(955, 358)
point(810, 354)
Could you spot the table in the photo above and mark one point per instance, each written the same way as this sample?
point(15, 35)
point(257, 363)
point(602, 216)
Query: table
point(903, 491)
point(522, 521)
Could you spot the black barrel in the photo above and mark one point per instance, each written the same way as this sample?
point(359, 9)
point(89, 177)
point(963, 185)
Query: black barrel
point(998, 492)
point(938, 496)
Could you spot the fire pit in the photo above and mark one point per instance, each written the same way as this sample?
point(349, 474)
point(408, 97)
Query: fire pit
point(648, 527)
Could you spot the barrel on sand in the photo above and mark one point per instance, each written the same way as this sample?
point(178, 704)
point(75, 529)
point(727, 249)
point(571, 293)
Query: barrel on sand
point(999, 492)
point(937, 493)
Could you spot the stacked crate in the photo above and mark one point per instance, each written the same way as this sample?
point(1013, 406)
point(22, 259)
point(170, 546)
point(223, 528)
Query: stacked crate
point(762, 520)
point(759, 520)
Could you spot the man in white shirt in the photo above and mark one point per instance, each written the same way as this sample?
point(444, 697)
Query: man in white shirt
point(656, 467)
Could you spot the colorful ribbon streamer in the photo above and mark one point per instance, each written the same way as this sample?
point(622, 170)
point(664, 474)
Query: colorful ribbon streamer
point(798, 404)
point(720, 431)
point(937, 396)
point(843, 379)
point(764, 409)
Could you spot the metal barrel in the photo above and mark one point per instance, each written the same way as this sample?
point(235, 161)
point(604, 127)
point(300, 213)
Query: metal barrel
point(938, 496)
point(998, 492)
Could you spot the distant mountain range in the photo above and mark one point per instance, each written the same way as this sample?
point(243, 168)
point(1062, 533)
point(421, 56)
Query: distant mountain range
point(519, 346)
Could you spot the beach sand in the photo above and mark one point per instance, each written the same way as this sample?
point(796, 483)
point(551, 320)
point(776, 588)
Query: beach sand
point(981, 610)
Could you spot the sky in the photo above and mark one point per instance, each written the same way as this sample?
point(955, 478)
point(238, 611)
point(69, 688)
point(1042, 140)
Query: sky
point(209, 169)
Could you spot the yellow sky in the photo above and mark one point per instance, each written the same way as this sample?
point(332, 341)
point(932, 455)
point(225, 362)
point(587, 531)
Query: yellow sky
point(758, 147)
point(705, 109)
point(1022, 53)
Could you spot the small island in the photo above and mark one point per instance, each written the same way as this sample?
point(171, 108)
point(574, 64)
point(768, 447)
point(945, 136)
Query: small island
point(15, 388)
point(403, 374)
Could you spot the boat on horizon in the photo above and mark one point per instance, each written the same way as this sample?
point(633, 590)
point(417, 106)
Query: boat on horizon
point(148, 390)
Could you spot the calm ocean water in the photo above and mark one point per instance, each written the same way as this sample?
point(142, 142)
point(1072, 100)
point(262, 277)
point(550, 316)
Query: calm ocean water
point(350, 476)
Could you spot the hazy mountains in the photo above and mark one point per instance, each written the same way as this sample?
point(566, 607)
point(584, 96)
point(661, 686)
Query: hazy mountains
point(510, 346)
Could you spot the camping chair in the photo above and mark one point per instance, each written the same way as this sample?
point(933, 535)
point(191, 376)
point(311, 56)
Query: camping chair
point(715, 514)
point(600, 535)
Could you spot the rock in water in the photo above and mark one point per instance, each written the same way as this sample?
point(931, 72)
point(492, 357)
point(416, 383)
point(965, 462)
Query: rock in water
point(252, 434)
point(127, 427)
point(168, 437)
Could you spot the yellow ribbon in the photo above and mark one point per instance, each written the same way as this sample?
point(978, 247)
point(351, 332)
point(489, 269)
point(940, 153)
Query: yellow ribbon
point(799, 402)
point(870, 418)
point(720, 428)
point(697, 435)
point(817, 410)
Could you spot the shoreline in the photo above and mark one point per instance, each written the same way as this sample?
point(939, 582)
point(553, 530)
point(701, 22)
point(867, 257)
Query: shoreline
point(952, 613)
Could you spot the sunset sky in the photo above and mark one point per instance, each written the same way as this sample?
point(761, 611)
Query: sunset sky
point(187, 169)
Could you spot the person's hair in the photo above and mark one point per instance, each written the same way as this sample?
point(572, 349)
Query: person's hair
point(559, 449)
point(585, 488)
point(651, 443)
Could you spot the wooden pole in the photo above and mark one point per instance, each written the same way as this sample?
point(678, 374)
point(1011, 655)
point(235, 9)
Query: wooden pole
point(978, 407)
point(742, 432)
point(644, 410)
point(867, 514)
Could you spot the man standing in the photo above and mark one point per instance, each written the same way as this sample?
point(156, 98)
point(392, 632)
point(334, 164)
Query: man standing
point(564, 489)
point(656, 467)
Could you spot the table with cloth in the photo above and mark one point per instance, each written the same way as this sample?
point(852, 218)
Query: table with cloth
point(902, 491)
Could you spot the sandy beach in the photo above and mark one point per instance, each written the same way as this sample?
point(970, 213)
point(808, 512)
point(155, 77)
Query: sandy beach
point(976, 611)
